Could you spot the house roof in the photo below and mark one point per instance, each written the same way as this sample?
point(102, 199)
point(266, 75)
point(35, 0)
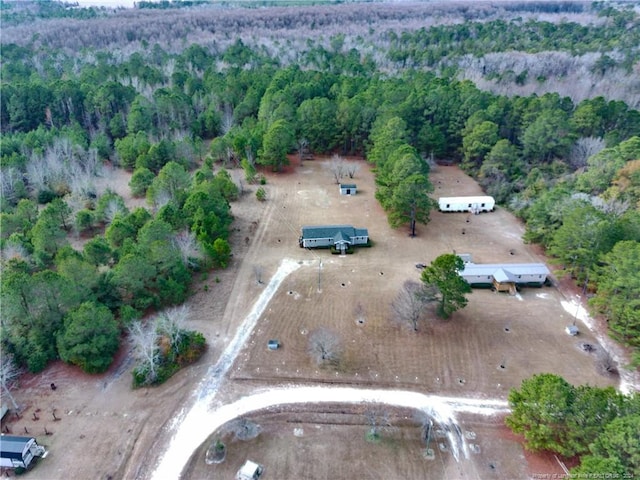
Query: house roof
point(12, 444)
point(466, 257)
point(340, 237)
point(348, 185)
point(501, 275)
point(467, 199)
point(330, 231)
point(504, 272)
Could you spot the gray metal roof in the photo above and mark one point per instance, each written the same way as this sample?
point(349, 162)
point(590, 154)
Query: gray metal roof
point(508, 270)
point(13, 444)
point(348, 185)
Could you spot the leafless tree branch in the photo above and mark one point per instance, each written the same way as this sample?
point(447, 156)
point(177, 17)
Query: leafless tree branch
point(337, 167)
point(9, 372)
point(325, 346)
point(409, 304)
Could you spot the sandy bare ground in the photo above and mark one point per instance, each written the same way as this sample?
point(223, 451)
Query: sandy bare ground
point(106, 430)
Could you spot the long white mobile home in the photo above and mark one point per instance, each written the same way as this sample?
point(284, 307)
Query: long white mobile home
point(505, 276)
point(466, 204)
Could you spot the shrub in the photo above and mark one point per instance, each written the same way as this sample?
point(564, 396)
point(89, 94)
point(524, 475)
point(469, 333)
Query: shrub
point(141, 180)
point(191, 345)
point(46, 196)
point(84, 220)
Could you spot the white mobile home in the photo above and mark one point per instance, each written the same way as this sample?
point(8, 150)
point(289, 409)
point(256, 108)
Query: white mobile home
point(19, 452)
point(466, 204)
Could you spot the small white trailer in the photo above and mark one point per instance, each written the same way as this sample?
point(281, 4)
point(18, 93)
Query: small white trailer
point(250, 471)
point(472, 204)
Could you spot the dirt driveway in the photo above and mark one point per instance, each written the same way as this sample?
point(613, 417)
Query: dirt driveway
point(102, 429)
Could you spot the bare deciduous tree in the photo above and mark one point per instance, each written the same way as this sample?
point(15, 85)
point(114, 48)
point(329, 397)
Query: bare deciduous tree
point(187, 147)
point(186, 243)
point(35, 173)
point(352, 168)
point(145, 348)
point(409, 304)
point(113, 209)
point(159, 198)
point(303, 145)
point(583, 149)
point(10, 184)
point(9, 371)
point(63, 168)
point(613, 206)
point(378, 421)
point(244, 429)
point(170, 323)
point(226, 123)
point(336, 167)
point(13, 249)
point(325, 346)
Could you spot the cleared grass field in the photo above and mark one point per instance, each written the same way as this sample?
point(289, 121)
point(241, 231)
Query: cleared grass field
point(481, 352)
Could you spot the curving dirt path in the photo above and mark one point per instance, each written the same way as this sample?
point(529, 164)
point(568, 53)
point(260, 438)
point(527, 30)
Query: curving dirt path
point(203, 419)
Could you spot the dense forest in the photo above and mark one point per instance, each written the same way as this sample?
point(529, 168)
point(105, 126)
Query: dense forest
point(178, 97)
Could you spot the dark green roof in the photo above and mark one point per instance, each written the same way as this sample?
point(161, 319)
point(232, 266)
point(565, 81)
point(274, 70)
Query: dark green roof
point(330, 231)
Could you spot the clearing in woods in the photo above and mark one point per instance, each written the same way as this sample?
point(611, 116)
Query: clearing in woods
point(481, 352)
point(106, 430)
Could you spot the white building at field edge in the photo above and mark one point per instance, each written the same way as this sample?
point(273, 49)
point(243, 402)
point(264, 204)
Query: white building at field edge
point(473, 204)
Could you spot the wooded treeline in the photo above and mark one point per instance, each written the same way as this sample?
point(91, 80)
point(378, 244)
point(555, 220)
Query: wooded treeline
point(600, 424)
point(510, 47)
point(570, 170)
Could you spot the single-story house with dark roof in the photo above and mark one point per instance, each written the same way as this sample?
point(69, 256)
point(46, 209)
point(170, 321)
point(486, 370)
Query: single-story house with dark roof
point(340, 237)
point(348, 189)
point(19, 452)
point(504, 277)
